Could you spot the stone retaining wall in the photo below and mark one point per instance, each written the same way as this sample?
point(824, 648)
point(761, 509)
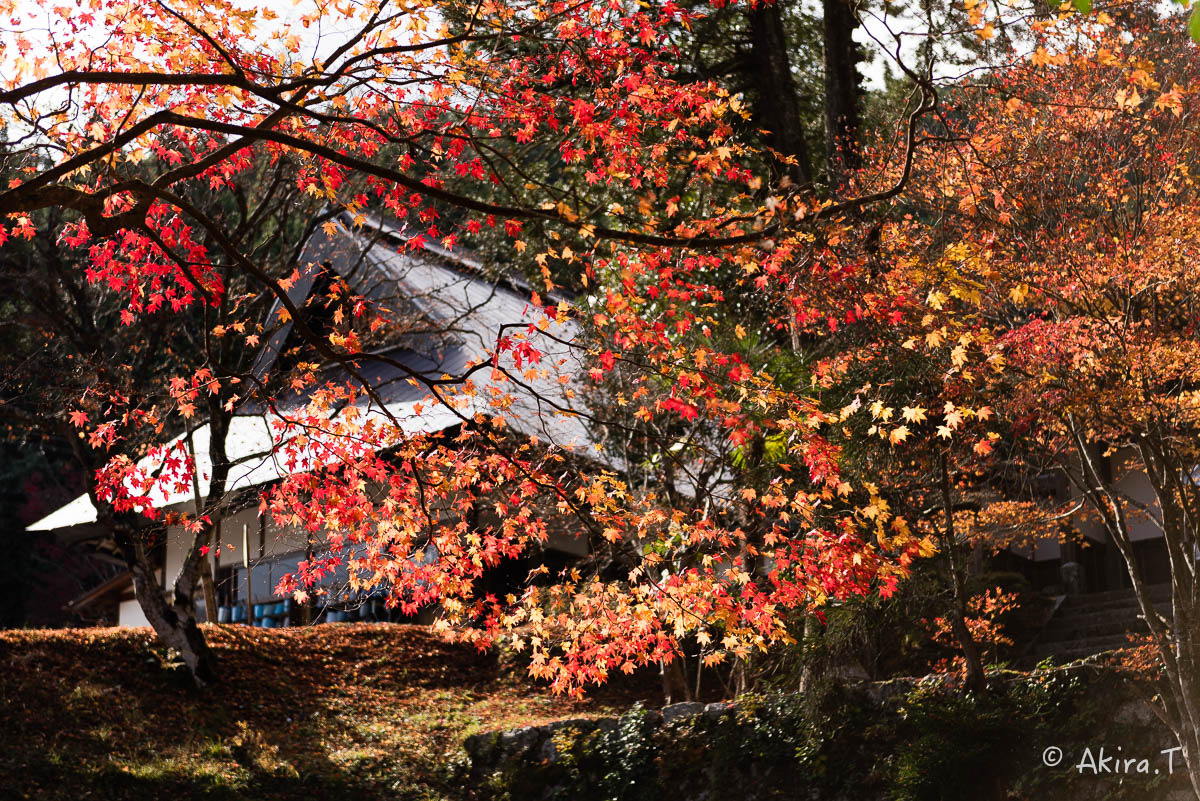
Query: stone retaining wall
point(868, 745)
point(491, 751)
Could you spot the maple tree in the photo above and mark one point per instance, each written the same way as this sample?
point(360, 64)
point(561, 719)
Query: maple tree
point(381, 118)
point(399, 114)
point(985, 622)
point(71, 364)
point(1048, 257)
point(1026, 304)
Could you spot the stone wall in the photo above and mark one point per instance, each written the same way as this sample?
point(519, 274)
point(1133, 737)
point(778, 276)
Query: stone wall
point(904, 740)
point(492, 751)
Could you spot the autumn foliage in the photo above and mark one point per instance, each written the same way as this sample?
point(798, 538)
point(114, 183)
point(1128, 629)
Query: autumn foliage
point(1049, 259)
point(861, 376)
point(406, 112)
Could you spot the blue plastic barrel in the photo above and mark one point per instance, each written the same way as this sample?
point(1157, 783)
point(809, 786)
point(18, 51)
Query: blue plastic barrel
point(224, 614)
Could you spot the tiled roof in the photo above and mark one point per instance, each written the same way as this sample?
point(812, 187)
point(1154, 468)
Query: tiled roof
point(459, 314)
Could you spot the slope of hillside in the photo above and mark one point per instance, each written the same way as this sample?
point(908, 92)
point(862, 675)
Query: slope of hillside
point(364, 711)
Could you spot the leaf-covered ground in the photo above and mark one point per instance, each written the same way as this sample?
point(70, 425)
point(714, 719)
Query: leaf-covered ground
point(364, 711)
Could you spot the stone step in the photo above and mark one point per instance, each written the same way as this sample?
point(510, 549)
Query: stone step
point(1156, 591)
point(1061, 626)
point(1065, 631)
point(1070, 650)
point(1086, 625)
point(1072, 605)
point(1087, 612)
point(1086, 603)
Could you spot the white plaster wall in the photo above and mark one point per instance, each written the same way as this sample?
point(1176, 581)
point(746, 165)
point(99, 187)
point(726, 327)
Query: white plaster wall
point(1133, 482)
point(277, 541)
point(1044, 550)
point(231, 536)
point(129, 613)
point(177, 544)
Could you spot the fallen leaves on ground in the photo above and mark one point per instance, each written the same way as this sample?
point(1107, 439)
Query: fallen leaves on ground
point(379, 710)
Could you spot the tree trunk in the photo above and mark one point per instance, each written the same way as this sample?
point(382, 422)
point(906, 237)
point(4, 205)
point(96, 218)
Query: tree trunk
point(675, 685)
point(776, 106)
point(1170, 475)
point(174, 622)
point(809, 670)
point(842, 91)
point(976, 677)
point(206, 572)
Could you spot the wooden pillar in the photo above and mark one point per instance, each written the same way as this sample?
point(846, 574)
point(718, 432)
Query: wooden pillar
point(246, 564)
